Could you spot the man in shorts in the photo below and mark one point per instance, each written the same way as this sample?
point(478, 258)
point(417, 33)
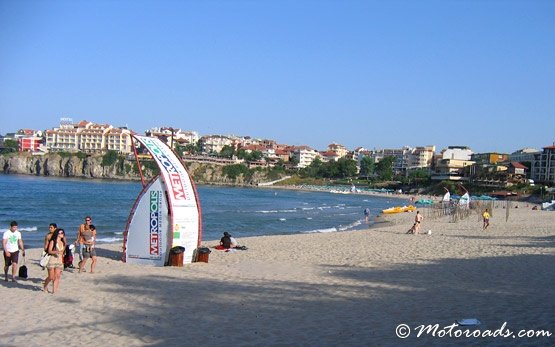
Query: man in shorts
point(89, 251)
point(12, 242)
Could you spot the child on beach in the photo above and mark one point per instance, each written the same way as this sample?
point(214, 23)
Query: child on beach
point(485, 217)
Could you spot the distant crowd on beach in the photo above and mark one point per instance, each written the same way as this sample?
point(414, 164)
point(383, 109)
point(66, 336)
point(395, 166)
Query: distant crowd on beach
point(57, 252)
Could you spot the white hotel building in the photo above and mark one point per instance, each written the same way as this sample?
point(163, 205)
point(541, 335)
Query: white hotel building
point(88, 137)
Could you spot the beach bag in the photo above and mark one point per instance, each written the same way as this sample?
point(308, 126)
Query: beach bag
point(44, 259)
point(23, 270)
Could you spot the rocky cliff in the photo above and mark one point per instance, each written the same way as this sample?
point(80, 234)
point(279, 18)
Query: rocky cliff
point(54, 164)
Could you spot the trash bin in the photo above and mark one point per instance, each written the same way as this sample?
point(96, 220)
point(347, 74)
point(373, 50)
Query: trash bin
point(176, 256)
point(202, 254)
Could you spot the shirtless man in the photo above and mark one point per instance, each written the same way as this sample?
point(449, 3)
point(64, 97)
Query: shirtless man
point(417, 221)
point(80, 241)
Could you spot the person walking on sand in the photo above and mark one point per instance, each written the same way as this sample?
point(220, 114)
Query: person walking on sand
point(417, 221)
point(79, 242)
point(485, 217)
point(55, 265)
point(89, 250)
point(366, 214)
point(51, 229)
point(12, 243)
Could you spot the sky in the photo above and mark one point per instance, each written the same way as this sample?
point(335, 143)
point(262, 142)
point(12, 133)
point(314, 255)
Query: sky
point(373, 74)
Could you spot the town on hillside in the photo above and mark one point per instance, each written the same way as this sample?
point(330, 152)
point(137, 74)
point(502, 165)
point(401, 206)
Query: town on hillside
point(527, 166)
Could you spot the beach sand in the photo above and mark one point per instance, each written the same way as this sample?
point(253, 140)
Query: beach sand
point(345, 288)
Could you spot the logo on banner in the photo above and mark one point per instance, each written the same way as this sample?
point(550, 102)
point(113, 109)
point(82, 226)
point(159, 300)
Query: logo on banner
point(175, 181)
point(155, 204)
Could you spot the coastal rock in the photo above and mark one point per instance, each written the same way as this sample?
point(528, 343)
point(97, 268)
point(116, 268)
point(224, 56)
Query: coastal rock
point(90, 166)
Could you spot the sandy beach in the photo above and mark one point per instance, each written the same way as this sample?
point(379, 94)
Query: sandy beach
point(346, 288)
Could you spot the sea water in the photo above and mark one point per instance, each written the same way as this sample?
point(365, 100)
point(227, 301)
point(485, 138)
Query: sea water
point(35, 201)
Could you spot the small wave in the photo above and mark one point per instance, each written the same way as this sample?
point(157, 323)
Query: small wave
point(118, 232)
point(21, 229)
point(109, 239)
point(309, 218)
point(328, 230)
point(307, 208)
point(350, 226)
point(283, 219)
point(276, 211)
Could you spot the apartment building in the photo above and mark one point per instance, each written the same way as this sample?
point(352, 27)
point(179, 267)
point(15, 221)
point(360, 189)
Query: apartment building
point(525, 155)
point(215, 143)
point(489, 158)
point(29, 143)
point(174, 135)
point(340, 150)
point(543, 166)
point(420, 157)
point(88, 137)
point(451, 163)
point(304, 156)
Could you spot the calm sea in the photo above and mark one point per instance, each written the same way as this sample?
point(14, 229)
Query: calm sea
point(34, 202)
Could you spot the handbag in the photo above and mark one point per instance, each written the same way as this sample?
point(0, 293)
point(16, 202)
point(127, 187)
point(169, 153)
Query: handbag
point(44, 259)
point(23, 270)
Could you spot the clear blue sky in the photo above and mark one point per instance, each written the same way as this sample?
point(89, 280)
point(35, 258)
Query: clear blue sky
point(376, 74)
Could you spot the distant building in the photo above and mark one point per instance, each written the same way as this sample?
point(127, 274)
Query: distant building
point(525, 155)
point(215, 143)
point(451, 163)
point(489, 158)
point(420, 157)
point(173, 135)
point(88, 137)
point(543, 166)
point(340, 150)
point(304, 156)
point(29, 143)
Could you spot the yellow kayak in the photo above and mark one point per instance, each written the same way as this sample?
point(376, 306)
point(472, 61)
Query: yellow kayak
point(398, 209)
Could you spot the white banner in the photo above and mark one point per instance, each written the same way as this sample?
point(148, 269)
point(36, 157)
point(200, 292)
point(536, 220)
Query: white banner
point(184, 216)
point(148, 230)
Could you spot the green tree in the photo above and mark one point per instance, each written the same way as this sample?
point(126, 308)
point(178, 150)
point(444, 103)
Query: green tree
point(227, 151)
point(11, 145)
point(234, 171)
point(255, 156)
point(312, 170)
point(384, 168)
point(346, 167)
point(109, 158)
point(367, 167)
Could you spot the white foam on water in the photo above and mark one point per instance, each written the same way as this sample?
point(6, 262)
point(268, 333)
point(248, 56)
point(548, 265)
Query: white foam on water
point(328, 230)
point(283, 219)
point(109, 239)
point(21, 229)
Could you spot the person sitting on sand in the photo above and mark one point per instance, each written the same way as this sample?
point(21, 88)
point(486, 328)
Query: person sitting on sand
point(225, 241)
point(229, 242)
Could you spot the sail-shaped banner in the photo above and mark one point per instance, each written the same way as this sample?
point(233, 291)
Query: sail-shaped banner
point(175, 217)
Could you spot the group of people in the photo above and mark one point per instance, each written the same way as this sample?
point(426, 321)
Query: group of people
point(415, 229)
point(56, 246)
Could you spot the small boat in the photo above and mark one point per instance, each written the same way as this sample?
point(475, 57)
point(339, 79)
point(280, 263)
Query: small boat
point(399, 209)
